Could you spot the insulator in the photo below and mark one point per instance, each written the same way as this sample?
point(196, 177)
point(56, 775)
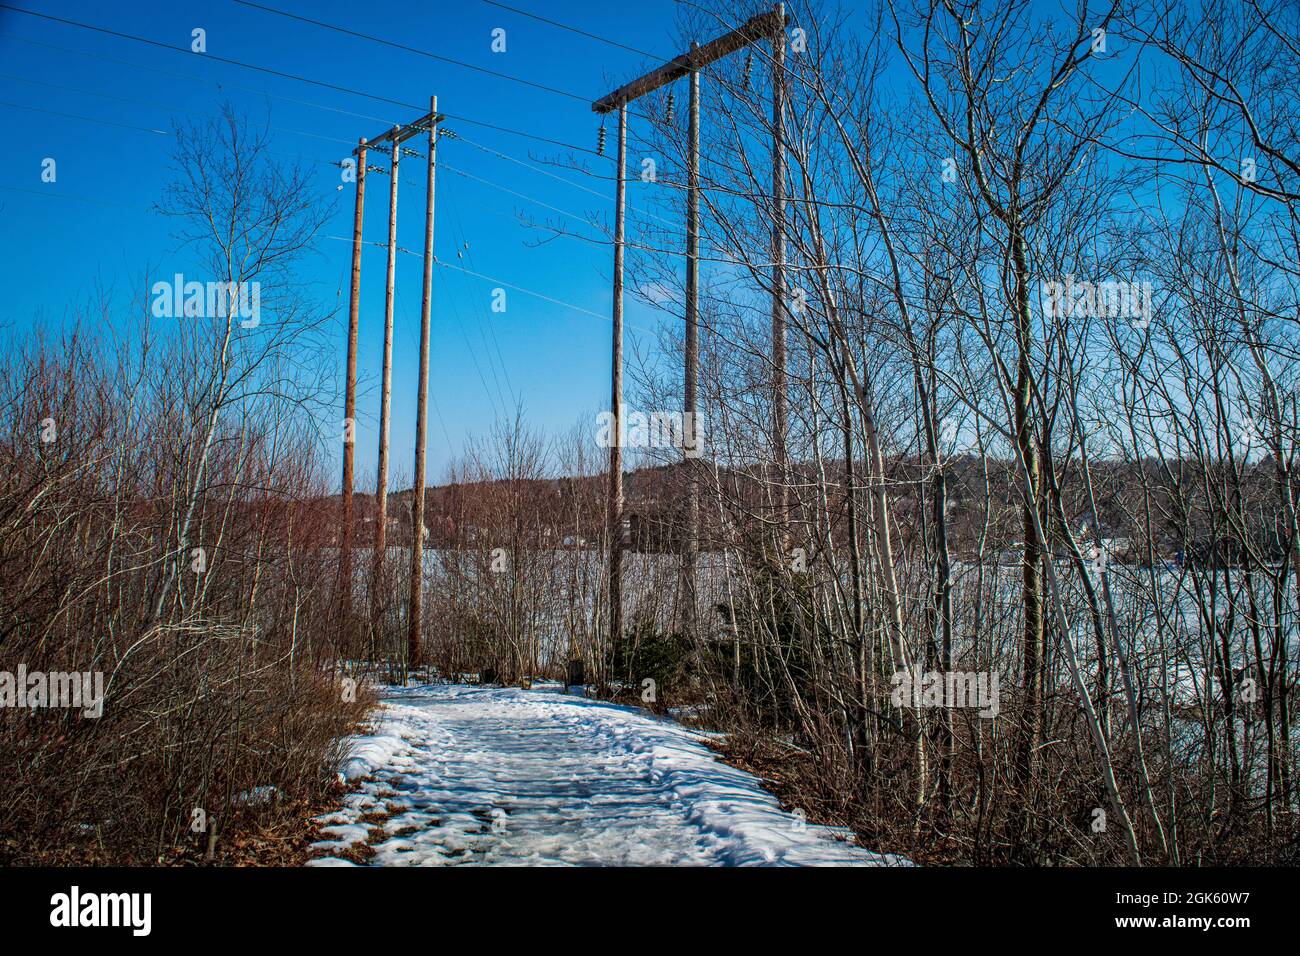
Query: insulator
point(749, 66)
point(668, 112)
point(600, 142)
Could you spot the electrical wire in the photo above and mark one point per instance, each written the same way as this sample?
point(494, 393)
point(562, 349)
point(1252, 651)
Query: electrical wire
point(577, 30)
point(206, 80)
point(487, 278)
point(410, 49)
point(289, 76)
point(171, 109)
point(85, 119)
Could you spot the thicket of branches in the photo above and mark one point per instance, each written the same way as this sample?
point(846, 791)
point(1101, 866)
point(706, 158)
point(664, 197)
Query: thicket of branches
point(1098, 508)
point(159, 524)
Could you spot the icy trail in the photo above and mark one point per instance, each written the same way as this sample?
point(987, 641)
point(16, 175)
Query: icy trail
point(503, 776)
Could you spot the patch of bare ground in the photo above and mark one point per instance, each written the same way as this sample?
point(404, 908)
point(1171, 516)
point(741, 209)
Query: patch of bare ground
point(362, 853)
point(280, 835)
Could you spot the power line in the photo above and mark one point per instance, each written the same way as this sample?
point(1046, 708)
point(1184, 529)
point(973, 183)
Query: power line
point(446, 166)
point(481, 309)
point(288, 76)
point(528, 165)
point(142, 129)
point(506, 189)
point(473, 354)
point(586, 219)
point(85, 119)
point(454, 306)
point(516, 132)
point(546, 172)
point(172, 109)
point(221, 85)
point(572, 29)
point(207, 81)
point(410, 182)
point(51, 194)
point(209, 56)
point(486, 278)
point(410, 49)
point(721, 258)
point(440, 57)
point(523, 289)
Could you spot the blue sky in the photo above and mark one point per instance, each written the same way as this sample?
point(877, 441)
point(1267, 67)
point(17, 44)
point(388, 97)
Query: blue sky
point(57, 245)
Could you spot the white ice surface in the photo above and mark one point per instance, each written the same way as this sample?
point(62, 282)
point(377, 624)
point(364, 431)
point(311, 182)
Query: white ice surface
point(503, 776)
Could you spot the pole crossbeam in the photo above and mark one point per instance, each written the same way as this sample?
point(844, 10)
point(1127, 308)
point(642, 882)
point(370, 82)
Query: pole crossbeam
point(400, 134)
point(755, 29)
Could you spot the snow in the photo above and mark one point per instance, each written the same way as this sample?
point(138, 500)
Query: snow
point(371, 752)
point(505, 776)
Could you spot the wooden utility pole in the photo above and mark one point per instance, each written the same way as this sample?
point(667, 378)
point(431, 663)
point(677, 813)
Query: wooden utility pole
point(756, 29)
point(350, 393)
point(394, 138)
point(385, 401)
point(421, 411)
point(616, 399)
point(779, 410)
point(691, 431)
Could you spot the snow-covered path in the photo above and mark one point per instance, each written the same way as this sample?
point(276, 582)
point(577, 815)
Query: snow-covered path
point(504, 776)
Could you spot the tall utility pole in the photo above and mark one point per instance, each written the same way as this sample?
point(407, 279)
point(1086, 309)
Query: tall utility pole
point(779, 411)
point(385, 400)
point(756, 29)
point(690, 379)
point(421, 410)
point(616, 399)
point(350, 394)
point(393, 138)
